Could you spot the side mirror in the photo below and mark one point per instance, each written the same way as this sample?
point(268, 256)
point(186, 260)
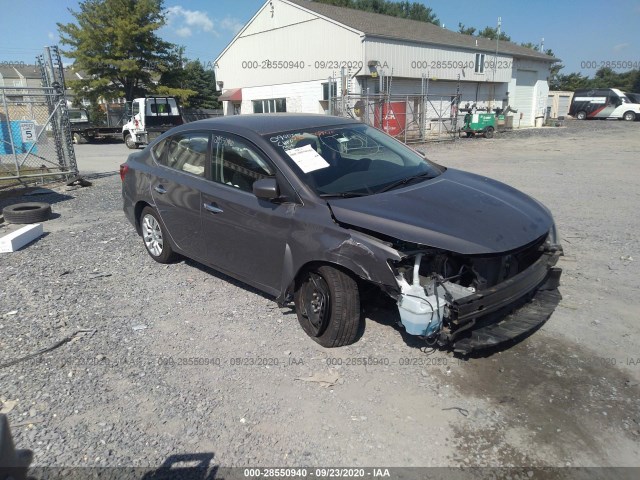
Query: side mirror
point(266, 188)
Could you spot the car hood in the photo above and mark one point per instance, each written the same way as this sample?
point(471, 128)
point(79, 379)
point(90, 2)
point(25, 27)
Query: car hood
point(456, 211)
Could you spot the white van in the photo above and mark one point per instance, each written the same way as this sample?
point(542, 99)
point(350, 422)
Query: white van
point(603, 103)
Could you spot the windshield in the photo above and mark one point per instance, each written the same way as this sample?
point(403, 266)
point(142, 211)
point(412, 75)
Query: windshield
point(350, 160)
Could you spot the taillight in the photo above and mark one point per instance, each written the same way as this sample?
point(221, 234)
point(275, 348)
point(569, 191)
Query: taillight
point(124, 168)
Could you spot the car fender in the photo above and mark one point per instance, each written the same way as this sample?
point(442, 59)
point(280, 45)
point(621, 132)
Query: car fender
point(363, 256)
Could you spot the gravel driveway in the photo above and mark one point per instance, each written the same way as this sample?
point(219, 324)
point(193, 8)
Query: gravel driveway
point(180, 359)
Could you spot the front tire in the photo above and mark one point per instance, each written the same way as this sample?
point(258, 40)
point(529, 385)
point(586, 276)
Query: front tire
point(128, 140)
point(629, 116)
point(488, 133)
point(155, 237)
point(581, 115)
point(328, 306)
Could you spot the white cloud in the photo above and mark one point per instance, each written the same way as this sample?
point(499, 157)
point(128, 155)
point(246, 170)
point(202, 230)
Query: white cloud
point(184, 32)
point(51, 36)
point(232, 24)
point(185, 22)
point(621, 46)
point(182, 20)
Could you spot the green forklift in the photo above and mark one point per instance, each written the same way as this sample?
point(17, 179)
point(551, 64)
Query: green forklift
point(479, 124)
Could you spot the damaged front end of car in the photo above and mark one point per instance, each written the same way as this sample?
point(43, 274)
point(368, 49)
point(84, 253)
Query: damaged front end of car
point(472, 302)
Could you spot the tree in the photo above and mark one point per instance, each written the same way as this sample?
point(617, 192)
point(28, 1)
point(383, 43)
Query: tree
point(404, 9)
point(532, 46)
point(487, 32)
point(466, 30)
point(492, 34)
point(191, 77)
point(116, 44)
point(570, 82)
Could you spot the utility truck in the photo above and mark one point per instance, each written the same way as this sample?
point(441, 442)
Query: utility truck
point(150, 117)
point(86, 129)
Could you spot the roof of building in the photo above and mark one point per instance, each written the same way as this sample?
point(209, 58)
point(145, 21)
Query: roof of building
point(377, 25)
point(20, 70)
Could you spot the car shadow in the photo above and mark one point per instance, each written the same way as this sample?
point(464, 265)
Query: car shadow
point(224, 277)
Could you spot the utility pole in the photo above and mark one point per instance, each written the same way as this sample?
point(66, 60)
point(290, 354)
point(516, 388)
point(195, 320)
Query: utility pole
point(495, 58)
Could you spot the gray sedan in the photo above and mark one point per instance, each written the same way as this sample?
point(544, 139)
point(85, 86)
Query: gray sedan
point(317, 209)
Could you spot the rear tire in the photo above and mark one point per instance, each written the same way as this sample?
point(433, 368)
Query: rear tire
point(488, 133)
point(155, 237)
point(328, 306)
point(581, 115)
point(629, 116)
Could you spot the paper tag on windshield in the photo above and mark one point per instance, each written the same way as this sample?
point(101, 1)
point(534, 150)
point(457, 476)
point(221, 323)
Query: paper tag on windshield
point(307, 158)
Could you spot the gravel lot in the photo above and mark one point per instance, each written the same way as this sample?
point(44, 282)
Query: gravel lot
point(182, 360)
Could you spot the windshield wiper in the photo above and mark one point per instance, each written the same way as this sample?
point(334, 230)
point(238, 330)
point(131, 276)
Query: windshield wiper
point(343, 195)
point(404, 181)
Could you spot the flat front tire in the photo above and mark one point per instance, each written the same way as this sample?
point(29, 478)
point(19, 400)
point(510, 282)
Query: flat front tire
point(154, 236)
point(328, 306)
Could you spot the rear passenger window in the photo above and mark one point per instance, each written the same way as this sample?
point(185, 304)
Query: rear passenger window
point(158, 150)
point(237, 164)
point(186, 152)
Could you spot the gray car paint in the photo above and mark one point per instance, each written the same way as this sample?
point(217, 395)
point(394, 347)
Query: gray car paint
point(456, 211)
point(302, 230)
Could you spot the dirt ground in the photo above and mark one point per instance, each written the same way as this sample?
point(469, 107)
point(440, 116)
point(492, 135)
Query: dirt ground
point(263, 394)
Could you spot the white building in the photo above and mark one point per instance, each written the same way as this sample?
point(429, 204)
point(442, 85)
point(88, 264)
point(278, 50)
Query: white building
point(284, 56)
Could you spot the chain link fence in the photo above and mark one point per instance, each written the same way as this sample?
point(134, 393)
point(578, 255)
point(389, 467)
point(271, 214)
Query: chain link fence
point(35, 136)
point(409, 118)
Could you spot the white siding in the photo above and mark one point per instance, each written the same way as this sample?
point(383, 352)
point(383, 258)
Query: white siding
point(524, 96)
point(302, 97)
point(282, 31)
point(412, 60)
point(290, 35)
point(528, 91)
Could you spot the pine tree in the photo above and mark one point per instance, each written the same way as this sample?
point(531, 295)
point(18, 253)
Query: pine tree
point(116, 44)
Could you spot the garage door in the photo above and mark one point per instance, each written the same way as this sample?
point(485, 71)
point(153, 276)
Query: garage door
point(525, 86)
point(563, 105)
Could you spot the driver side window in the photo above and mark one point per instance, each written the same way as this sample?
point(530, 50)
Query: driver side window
point(237, 164)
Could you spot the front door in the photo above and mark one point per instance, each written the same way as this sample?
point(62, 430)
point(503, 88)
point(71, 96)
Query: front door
point(244, 235)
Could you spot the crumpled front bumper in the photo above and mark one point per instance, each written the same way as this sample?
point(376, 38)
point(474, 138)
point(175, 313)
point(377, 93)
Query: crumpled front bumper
point(509, 310)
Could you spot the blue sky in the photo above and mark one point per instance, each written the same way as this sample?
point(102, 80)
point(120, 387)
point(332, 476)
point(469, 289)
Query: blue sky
point(578, 32)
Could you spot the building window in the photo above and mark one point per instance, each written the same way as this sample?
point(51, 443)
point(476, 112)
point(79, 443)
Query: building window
point(325, 90)
point(270, 106)
point(479, 63)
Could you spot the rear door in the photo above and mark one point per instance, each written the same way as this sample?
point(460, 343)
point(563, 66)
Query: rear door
point(177, 188)
point(244, 236)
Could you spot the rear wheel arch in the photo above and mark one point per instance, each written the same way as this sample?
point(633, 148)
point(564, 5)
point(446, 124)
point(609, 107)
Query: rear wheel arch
point(138, 211)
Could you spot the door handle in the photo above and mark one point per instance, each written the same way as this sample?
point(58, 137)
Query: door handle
point(212, 208)
point(160, 189)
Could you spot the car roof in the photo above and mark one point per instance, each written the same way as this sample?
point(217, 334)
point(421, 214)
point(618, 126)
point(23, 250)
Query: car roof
point(266, 123)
